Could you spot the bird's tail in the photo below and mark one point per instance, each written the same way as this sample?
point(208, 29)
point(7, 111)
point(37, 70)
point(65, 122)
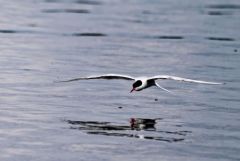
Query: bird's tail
point(163, 88)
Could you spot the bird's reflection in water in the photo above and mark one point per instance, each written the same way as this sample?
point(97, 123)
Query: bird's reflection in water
point(143, 124)
point(138, 128)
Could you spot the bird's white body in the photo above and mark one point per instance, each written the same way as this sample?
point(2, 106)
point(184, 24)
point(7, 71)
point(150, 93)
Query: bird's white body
point(141, 83)
point(145, 83)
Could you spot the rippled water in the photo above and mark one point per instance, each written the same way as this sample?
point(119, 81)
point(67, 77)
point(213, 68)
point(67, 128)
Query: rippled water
point(46, 41)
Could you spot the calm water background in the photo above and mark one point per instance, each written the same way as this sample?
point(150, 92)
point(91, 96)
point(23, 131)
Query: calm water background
point(47, 41)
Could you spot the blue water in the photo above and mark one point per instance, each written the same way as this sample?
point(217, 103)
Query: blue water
point(52, 40)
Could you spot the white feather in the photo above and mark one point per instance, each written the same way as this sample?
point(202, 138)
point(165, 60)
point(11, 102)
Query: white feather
point(182, 79)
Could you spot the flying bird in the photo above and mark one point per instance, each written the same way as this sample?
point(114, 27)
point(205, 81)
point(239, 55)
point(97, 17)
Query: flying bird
point(141, 83)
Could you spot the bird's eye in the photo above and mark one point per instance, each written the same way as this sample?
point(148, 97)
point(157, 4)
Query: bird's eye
point(137, 83)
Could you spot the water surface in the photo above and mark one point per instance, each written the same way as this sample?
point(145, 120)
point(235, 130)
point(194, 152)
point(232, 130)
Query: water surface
point(51, 40)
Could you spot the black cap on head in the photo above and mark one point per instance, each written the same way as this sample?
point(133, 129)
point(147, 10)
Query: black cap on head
point(136, 84)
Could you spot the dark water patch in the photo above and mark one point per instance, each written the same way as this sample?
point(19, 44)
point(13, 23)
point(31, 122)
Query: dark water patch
point(89, 34)
point(218, 13)
point(52, 10)
point(89, 2)
point(224, 6)
point(27, 69)
point(80, 11)
point(169, 37)
point(134, 21)
point(147, 12)
point(8, 31)
point(230, 99)
point(87, 122)
point(220, 38)
point(77, 11)
point(178, 125)
point(183, 133)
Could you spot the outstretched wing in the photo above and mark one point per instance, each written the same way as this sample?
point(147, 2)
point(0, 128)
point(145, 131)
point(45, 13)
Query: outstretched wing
point(105, 76)
point(182, 79)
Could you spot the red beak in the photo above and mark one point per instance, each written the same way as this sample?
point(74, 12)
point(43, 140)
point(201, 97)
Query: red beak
point(132, 90)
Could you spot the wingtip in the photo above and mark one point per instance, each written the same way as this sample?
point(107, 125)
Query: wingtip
point(59, 81)
point(220, 83)
point(66, 81)
point(215, 83)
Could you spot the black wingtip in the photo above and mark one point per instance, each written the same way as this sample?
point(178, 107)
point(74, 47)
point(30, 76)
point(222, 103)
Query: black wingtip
point(65, 81)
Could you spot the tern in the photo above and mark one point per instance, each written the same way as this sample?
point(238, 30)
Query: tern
point(141, 83)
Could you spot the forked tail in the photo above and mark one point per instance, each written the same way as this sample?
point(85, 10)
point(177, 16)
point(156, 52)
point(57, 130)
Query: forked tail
point(163, 88)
